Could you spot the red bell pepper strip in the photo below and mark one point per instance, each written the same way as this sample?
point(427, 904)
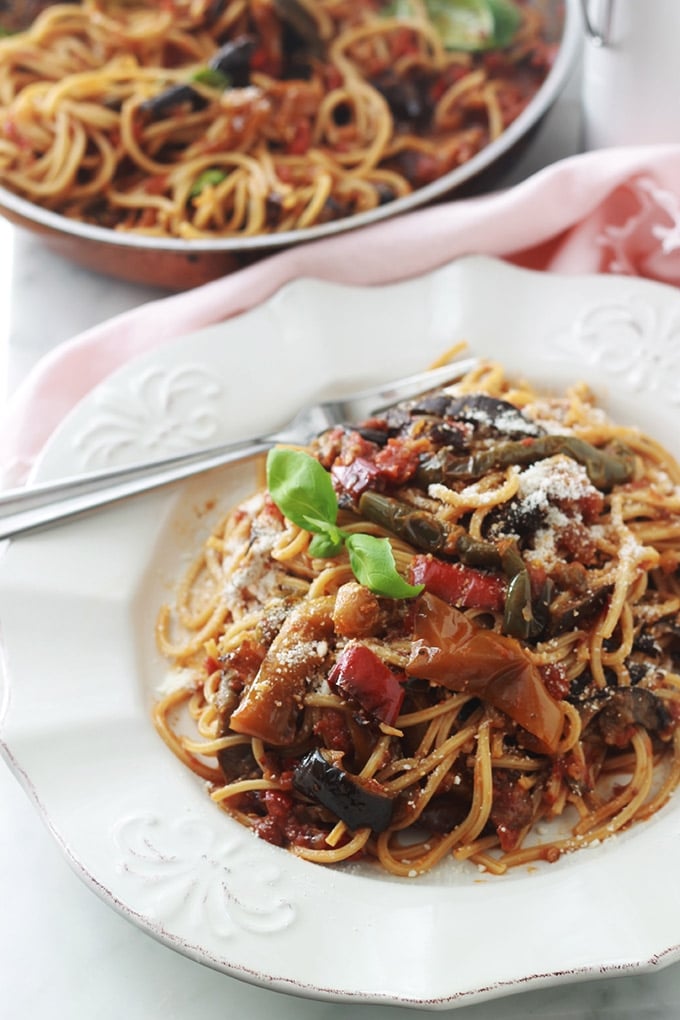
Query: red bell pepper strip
point(362, 675)
point(456, 653)
point(459, 585)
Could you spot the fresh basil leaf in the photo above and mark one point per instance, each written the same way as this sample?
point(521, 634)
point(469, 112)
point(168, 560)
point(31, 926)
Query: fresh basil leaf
point(325, 547)
point(471, 25)
point(212, 176)
point(373, 565)
point(507, 19)
point(302, 490)
point(213, 77)
point(462, 24)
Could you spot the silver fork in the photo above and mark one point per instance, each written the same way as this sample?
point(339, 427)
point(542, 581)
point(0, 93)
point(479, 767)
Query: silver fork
point(38, 506)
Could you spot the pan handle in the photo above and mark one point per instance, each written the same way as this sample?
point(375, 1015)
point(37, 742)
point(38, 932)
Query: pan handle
point(600, 34)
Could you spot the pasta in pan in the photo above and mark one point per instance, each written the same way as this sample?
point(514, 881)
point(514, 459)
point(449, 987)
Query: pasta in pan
point(201, 118)
point(483, 641)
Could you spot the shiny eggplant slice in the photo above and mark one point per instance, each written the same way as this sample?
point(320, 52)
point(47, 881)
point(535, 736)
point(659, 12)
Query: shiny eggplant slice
point(297, 16)
point(231, 63)
point(625, 708)
point(491, 414)
point(319, 778)
point(170, 99)
point(407, 96)
point(570, 613)
point(237, 762)
point(233, 60)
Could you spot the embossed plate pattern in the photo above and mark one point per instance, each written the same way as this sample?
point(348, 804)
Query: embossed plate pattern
point(77, 609)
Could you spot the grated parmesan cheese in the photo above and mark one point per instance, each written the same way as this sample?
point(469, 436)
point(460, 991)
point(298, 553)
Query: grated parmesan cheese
point(556, 478)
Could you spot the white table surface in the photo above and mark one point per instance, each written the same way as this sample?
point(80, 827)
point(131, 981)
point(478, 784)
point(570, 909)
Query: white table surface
point(65, 954)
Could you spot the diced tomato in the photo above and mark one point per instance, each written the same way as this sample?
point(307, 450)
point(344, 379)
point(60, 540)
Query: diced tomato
point(459, 585)
point(403, 41)
point(210, 664)
point(398, 461)
point(156, 185)
point(301, 140)
point(356, 477)
point(285, 174)
point(271, 510)
point(361, 464)
point(556, 681)
point(333, 77)
point(361, 675)
point(333, 730)
point(265, 61)
point(272, 827)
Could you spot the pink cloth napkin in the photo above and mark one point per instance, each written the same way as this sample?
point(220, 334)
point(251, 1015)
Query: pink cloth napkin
point(611, 211)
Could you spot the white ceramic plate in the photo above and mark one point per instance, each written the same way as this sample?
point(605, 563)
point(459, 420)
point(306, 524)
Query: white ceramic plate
point(77, 609)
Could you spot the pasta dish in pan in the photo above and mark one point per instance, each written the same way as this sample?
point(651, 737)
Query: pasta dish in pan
point(436, 632)
point(234, 118)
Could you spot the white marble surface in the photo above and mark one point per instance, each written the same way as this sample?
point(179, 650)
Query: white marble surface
point(64, 954)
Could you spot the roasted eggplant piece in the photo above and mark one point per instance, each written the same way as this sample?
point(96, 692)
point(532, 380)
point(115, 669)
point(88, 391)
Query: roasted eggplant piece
point(491, 415)
point(514, 807)
point(618, 711)
point(407, 96)
point(233, 60)
point(271, 705)
point(172, 98)
point(237, 762)
point(297, 17)
point(230, 64)
point(320, 777)
point(569, 613)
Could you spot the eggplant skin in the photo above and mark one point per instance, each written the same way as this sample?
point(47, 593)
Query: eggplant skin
point(326, 783)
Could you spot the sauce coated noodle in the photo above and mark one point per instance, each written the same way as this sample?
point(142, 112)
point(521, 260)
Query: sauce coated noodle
point(202, 119)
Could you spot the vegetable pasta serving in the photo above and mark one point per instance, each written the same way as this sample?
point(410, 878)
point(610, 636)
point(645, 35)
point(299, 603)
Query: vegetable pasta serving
point(437, 631)
point(233, 118)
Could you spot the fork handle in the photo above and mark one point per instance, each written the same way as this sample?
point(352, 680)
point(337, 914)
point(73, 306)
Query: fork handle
point(23, 510)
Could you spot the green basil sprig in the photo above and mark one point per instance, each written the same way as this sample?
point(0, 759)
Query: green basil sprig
point(213, 175)
point(303, 491)
point(213, 77)
point(466, 24)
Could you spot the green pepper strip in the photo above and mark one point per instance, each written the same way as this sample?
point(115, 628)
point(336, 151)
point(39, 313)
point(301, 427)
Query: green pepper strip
point(605, 467)
point(422, 530)
point(519, 617)
point(418, 527)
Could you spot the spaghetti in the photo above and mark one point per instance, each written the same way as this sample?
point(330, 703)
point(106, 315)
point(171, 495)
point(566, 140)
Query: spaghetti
point(201, 119)
point(529, 677)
